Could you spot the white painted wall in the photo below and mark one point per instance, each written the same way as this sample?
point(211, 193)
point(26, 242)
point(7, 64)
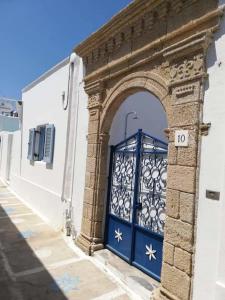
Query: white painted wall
point(39, 185)
point(5, 155)
point(151, 118)
point(209, 277)
point(15, 167)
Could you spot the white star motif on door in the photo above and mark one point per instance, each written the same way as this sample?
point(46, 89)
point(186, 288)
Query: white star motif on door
point(150, 252)
point(118, 235)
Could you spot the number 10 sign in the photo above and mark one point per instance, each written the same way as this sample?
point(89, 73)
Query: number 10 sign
point(181, 138)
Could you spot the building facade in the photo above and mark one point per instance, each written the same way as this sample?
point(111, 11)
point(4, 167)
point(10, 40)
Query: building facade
point(161, 47)
point(33, 158)
point(7, 106)
point(9, 120)
point(118, 145)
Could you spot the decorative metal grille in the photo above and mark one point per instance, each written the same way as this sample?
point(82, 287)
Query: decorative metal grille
point(149, 156)
point(122, 190)
point(152, 191)
point(152, 184)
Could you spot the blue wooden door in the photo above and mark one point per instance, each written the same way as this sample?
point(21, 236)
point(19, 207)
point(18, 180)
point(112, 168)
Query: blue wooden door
point(136, 201)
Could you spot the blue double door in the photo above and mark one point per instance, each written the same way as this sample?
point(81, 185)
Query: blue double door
point(136, 202)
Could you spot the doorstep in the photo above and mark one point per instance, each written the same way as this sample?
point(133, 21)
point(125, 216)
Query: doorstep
point(135, 280)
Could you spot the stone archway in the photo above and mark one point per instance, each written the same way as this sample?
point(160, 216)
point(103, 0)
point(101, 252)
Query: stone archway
point(135, 82)
point(121, 61)
point(181, 170)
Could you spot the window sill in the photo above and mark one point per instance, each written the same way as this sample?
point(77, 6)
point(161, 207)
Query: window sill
point(40, 163)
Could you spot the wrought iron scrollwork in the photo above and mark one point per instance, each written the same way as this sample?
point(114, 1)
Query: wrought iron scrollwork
point(121, 203)
point(122, 185)
point(123, 172)
point(152, 191)
point(154, 172)
point(151, 182)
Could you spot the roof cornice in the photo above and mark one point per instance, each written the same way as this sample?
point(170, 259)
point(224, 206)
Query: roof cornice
point(118, 21)
point(146, 24)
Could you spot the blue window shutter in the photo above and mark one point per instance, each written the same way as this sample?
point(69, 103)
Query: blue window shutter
point(49, 143)
point(41, 142)
point(31, 144)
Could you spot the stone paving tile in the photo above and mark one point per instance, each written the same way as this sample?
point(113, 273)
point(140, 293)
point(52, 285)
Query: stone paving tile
point(54, 251)
point(22, 259)
point(7, 197)
point(26, 221)
point(6, 226)
point(6, 291)
point(44, 255)
point(3, 273)
point(34, 237)
point(3, 188)
point(14, 210)
point(21, 223)
point(81, 280)
point(44, 266)
point(4, 202)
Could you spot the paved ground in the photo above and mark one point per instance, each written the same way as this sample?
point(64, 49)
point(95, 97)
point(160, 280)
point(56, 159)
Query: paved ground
point(37, 264)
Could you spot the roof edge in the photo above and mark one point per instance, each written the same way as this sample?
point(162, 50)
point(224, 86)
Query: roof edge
point(8, 99)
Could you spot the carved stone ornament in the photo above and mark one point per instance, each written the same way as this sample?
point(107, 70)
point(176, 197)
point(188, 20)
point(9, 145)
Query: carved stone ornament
point(94, 101)
point(186, 93)
point(187, 69)
point(136, 28)
point(204, 128)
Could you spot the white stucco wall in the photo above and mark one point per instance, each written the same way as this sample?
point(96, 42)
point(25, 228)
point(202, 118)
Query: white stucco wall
point(16, 162)
point(209, 272)
point(5, 155)
point(151, 118)
point(39, 185)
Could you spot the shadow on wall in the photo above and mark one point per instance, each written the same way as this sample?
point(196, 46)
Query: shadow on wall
point(151, 118)
point(17, 260)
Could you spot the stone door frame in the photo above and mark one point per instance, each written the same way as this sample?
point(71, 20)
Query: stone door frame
point(173, 68)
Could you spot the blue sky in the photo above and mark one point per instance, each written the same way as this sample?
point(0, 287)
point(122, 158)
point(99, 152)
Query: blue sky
point(36, 34)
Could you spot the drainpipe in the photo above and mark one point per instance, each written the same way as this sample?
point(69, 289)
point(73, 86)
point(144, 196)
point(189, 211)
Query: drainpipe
point(70, 212)
point(71, 142)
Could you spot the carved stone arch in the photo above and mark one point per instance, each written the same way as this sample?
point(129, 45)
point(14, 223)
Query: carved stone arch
point(133, 83)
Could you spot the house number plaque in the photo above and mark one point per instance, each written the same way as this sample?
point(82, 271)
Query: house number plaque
point(181, 138)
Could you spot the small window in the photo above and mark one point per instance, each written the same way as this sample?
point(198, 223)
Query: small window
point(41, 143)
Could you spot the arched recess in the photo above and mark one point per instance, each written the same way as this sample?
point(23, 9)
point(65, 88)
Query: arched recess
point(131, 84)
point(145, 223)
point(101, 116)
